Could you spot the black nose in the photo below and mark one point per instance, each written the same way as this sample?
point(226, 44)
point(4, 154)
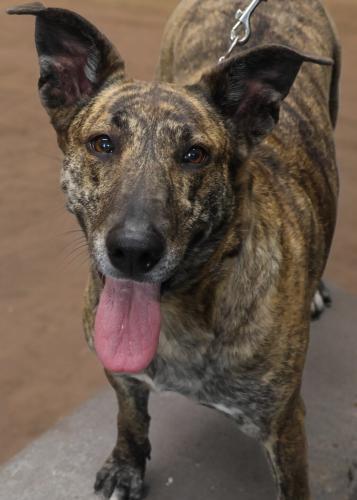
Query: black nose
point(134, 250)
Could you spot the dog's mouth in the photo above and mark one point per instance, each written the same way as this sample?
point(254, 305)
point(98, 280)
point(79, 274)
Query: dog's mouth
point(127, 325)
point(128, 320)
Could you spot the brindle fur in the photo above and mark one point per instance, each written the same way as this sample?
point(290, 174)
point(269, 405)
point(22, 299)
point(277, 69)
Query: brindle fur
point(247, 236)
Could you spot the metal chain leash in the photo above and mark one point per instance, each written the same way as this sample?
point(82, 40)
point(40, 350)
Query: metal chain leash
point(243, 22)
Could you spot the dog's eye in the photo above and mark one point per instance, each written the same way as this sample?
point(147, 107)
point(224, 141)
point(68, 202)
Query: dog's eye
point(196, 156)
point(102, 144)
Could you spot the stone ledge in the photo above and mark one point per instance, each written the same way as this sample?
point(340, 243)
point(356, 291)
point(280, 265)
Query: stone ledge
point(199, 454)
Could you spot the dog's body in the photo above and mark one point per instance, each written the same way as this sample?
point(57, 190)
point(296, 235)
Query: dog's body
point(249, 237)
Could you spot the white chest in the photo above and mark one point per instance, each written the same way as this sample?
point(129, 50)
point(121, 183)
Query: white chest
point(245, 424)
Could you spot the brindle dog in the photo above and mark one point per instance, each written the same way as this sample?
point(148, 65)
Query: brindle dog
point(208, 200)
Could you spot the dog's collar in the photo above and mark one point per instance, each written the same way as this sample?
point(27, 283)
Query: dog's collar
point(242, 22)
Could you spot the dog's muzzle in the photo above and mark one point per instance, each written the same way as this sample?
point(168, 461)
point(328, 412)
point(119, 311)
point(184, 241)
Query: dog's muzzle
point(135, 248)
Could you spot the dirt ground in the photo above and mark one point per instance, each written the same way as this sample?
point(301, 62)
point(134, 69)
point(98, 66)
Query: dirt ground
point(46, 369)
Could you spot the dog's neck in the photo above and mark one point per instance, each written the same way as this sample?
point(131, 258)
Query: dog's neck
point(234, 269)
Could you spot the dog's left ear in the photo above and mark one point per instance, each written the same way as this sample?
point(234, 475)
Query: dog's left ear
point(249, 88)
point(76, 60)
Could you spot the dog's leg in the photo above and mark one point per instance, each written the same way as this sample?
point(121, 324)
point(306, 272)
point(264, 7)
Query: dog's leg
point(286, 449)
point(124, 470)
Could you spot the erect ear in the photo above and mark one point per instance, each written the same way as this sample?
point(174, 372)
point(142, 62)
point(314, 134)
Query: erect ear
point(249, 88)
point(76, 60)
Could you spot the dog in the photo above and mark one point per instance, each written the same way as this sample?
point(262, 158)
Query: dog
point(208, 201)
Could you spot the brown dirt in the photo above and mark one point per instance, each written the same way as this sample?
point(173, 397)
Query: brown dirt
point(46, 369)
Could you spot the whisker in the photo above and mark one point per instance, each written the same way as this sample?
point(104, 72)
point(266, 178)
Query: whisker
point(67, 263)
point(71, 231)
point(77, 239)
point(76, 249)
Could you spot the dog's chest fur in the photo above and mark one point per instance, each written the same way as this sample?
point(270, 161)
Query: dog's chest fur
point(197, 371)
point(203, 390)
point(233, 401)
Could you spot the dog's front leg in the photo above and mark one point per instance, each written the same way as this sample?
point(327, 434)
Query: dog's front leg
point(286, 449)
point(124, 470)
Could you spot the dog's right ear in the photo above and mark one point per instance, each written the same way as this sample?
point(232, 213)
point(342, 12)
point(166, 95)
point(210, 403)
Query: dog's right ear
point(76, 60)
point(247, 90)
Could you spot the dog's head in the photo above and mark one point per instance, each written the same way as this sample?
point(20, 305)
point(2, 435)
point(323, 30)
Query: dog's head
point(153, 171)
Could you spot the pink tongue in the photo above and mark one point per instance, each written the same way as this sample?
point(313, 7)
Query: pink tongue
point(127, 325)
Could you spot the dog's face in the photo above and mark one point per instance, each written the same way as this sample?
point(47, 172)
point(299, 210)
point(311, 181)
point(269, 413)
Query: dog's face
point(153, 172)
point(148, 172)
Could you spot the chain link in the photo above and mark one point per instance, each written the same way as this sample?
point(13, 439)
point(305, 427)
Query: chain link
point(242, 24)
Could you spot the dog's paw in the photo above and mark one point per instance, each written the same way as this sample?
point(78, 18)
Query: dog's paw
point(119, 481)
point(321, 300)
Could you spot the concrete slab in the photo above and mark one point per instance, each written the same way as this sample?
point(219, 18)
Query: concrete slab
point(199, 454)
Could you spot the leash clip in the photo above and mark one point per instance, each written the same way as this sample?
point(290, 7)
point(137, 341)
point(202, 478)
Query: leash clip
point(243, 22)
